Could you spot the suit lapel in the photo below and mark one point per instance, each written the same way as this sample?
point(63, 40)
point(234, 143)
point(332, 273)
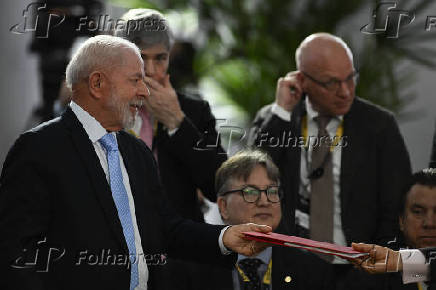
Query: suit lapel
point(283, 270)
point(293, 164)
point(351, 154)
point(89, 158)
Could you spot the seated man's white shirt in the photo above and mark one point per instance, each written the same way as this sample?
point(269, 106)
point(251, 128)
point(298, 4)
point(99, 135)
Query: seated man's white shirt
point(415, 268)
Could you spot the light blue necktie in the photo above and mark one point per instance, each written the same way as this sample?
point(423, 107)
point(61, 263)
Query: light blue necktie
point(119, 194)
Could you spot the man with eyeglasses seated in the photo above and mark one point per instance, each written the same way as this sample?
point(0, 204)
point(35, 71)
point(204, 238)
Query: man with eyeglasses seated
point(343, 159)
point(248, 190)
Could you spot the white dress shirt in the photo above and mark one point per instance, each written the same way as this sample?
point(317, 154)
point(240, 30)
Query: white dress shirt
point(415, 269)
point(306, 154)
point(95, 131)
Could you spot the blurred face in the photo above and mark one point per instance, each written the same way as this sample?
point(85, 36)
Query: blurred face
point(235, 210)
point(419, 221)
point(156, 61)
point(337, 66)
point(127, 91)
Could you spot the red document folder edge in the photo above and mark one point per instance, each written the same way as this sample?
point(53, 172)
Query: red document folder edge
point(302, 243)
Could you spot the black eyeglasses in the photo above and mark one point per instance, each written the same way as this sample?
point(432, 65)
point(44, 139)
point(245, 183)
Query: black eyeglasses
point(251, 193)
point(334, 84)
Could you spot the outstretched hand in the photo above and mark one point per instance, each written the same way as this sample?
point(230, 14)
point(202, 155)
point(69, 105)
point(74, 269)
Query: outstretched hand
point(235, 240)
point(380, 259)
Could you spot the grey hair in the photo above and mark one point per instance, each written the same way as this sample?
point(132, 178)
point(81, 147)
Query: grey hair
point(145, 28)
point(312, 36)
point(98, 52)
point(240, 166)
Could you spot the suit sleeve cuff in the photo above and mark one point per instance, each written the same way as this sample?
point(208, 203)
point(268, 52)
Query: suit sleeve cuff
point(414, 267)
point(223, 248)
point(281, 113)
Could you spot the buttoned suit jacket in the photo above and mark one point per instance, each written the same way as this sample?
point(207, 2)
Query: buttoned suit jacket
point(291, 269)
point(53, 189)
point(375, 166)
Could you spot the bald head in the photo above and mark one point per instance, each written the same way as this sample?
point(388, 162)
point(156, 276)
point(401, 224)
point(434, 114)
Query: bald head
point(327, 74)
point(320, 48)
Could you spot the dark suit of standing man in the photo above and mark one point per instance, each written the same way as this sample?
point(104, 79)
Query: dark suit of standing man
point(73, 215)
point(368, 166)
point(179, 128)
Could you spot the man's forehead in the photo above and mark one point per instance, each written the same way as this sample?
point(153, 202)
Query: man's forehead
point(330, 60)
point(422, 195)
point(154, 50)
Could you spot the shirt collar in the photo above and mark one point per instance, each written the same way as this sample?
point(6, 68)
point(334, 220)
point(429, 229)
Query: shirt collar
point(264, 256)
point(311, 113)
point(92, 127)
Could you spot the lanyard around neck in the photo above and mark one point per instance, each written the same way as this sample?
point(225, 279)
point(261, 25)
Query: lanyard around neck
point(336, 138)
point(266, 277)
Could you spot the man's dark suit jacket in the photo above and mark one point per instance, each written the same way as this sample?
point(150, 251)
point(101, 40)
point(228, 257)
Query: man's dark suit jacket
point(374, 168)
point(189, 159)
point(394, 282)
point(306, 272)
point(53, 187)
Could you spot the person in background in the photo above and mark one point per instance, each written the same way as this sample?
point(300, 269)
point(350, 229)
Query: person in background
point(179, 129)
point(417, 221)
point(343, 159)
point(248, 190)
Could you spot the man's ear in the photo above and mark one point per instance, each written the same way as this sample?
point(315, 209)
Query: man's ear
point(97, 84)
point(222, 206)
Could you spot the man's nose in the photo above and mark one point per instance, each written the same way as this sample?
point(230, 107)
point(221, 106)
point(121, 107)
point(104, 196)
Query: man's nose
point(344, 89)
point(143, 89)
point(263, 199)
point(149, 68)
point(429, 220)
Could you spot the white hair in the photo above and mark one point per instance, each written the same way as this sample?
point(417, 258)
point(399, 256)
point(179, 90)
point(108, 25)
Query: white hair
point(98, 52)
point(308, 39)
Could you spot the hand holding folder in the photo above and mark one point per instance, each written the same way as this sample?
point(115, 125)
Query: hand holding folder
point(310, 245)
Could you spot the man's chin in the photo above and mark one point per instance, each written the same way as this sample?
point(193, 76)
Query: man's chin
point(129, 123)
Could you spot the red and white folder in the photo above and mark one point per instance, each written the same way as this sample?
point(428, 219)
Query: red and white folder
point(310, 245)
